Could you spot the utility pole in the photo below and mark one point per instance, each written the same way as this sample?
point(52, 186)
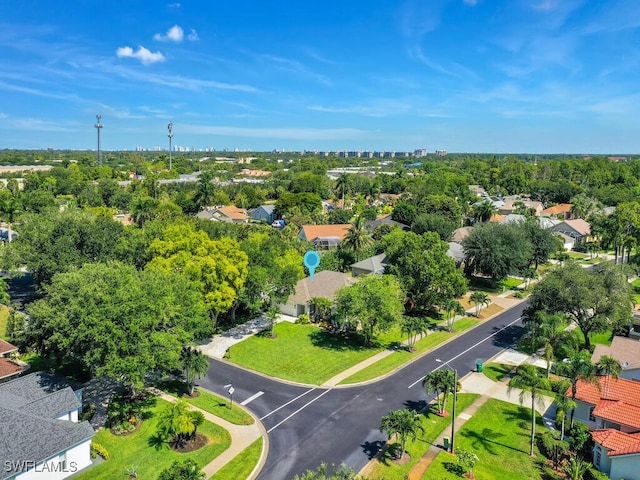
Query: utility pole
point(98, 126)
point(170, 135)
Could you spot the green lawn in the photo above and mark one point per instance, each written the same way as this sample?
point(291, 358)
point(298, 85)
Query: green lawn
point(433, 426)
point(243, 464)
point(4, 315)
point(400, 357)
point(496, 371)
point(499, 434)
point(301, 353)
point(219, 406)
point(489, 286)
point(136, 450)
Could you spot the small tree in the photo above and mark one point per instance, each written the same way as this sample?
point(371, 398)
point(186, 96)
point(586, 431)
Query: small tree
point(578, 368)
point(272, 315)
point(194, 364)
point(403, 423)
point(442, 382)
point(452, 308)
point(414, 326)
point(321, 307)
point(480, 299)
point(575, 468)
point(187, 470)
point(564, 404)
point(467, 460)
point(177, 424)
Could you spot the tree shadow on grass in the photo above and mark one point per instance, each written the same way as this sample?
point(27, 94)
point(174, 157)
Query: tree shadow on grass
point(486, 439)
point(158, 442)
point(340, 341)
point(454, 468)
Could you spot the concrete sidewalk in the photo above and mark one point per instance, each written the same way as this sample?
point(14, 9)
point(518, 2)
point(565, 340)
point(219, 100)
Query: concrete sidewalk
point(241, 437)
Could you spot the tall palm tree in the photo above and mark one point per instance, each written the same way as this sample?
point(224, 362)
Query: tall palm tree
point(143, 209)
point(610, 368)
point(414, 326)
point(578, 368)
point(272, 316)
point(194, 364)
point(442, 382)
point(403, 423)
point(205, 189)
point(357, 236)
point(483, 211)
point(546, 330)
point(452, 307)
point(530, 382)
point(564, 404)
point(343, 184)
point(480, 299)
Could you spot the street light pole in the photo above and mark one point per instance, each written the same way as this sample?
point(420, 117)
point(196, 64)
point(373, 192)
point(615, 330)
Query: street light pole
point(455, 398)
point(170, 135)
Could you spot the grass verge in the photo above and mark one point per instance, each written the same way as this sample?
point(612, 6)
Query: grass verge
point(433, 426)
point(243, 463)
point(499, 434)
point(400, 357)
point(496, 371)
point(136, 450)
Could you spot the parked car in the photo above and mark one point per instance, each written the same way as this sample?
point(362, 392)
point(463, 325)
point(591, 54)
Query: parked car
point(278, 224)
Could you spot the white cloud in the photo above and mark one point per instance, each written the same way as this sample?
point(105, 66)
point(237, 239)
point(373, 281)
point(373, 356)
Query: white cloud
point(174, 34)
point(193, 36)
point(145, 56)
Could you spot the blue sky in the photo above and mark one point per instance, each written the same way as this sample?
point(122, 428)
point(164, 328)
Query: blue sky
point(538, 76)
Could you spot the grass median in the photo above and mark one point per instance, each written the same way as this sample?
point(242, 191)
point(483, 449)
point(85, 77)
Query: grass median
point(401, 356)
point(242, 464)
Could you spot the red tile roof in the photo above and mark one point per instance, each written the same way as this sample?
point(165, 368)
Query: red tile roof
point(615, 400)
point(9, 368)
point(314, 231)
point(617, 442)
point(559, 209)
point(6, 347)
point(233, 212)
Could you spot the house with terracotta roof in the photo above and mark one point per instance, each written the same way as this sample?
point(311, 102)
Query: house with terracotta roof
point(324, 284)
point(626, 351)
point(578, 229)
point(227, 213)
point(41, 436)
point(324, 236)
point(617, 453)
point(9, 366)
point(561, 211)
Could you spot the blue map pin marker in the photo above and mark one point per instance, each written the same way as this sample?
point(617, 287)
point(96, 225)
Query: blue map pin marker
point(311, 261)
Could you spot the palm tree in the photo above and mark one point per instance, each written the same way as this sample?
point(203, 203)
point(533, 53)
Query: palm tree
point(205, 189)
point(575, 468)
point(610, 368)
point(320, 308)
point(177, 424)
point(483, 211)
point(357, 236)
point(143, 209)
point(403, 423)
point(272, 315)
point(342, 185)
point(563, 405)
point(452, 307)
point(546, 329)
point(480, 299)
point(195, 364)
point(530, 382)
point(414, 326)
point(578, 368)
point(442, 382)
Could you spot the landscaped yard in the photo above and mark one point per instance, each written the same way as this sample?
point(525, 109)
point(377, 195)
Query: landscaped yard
point(433, 426)
point(302, 353)
point(212, 403)
point(242, 465)
point(499, 434)
point(496, 371)
point(402, 356)
point(137, 450)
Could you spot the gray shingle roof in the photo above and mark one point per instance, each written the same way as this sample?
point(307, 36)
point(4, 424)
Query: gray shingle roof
point(373, 264)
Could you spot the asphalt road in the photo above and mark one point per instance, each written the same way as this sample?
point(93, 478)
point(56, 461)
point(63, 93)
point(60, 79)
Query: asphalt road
point(311, 425)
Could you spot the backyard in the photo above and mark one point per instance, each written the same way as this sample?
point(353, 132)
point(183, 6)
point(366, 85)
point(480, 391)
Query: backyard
point(138, 451)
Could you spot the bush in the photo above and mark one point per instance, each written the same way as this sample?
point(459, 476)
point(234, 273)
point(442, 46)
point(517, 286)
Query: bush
point(88, 412)
point(593, 474)
point(97, 449)
point(303, 319)
point(518, 294)
point(580, 441)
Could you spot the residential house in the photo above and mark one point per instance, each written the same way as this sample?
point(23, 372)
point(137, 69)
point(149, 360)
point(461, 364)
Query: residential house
point(456, 252)
point(460, 234)
point(478, 190)
point(324, 236)
point(385, 220)
point(626, 351)
point(368, 266)
point(324, 284)
point(561, 211)
point(264, 213)
point(40, 436)
point(9, 367)
point(611, 408)
point(568, 243)
point(511, 204)
point(578, 229)
point(227, 213)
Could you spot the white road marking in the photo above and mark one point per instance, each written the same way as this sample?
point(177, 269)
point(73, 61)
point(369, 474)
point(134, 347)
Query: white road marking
point(252, 398)
point(298, 411)
point(465, 351)
point(290, 401)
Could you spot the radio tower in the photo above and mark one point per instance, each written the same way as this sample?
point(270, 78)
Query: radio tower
point(98, 126)
point(170, 135)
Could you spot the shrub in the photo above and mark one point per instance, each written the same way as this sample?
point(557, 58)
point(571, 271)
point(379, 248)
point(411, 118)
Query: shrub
point(593, 474)
point(518, 294)
point(88, 412)
point(303, 319)
point(97, 449)
point(580, 440)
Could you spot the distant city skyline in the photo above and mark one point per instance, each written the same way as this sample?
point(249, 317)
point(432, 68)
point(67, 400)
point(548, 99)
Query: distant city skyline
point(477, 76)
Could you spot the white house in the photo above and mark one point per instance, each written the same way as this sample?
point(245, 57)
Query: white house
point(40, 436)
